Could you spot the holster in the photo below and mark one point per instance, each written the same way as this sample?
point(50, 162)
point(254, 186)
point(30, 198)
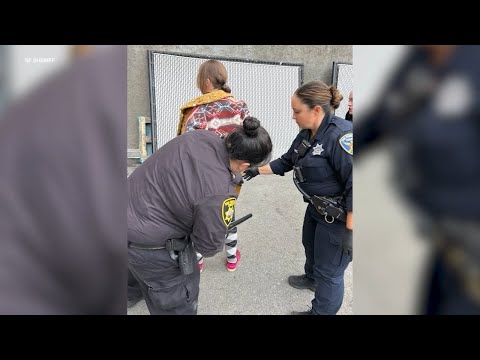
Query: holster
point(182, 251)
point(328, 207)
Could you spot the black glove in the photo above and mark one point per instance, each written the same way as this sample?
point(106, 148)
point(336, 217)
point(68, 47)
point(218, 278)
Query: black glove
point(348, 243)
point(251, 173)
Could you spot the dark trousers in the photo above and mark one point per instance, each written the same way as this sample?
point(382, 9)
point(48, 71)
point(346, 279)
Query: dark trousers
point(165, 289)
point(134, 291)
point(326, 260)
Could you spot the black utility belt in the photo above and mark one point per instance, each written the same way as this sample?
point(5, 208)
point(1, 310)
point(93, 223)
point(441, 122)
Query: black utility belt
point(328, 208)
point(145, 247)
point(171, 245)
point(180, 250)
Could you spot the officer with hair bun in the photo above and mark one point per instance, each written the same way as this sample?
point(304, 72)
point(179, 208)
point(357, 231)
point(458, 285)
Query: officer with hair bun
point(183, 197)
point(321, 156)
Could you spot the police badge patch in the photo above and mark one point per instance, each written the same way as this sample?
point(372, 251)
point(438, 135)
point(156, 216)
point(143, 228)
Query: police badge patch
point(346, 142)
point(228, 210)
point(318, 149)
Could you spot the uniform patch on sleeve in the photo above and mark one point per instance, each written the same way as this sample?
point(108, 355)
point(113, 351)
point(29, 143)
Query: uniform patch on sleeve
point(228, 210)
point(346, 142)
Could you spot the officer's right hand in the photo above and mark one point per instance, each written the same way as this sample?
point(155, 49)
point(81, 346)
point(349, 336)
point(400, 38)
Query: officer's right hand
point(251, 173)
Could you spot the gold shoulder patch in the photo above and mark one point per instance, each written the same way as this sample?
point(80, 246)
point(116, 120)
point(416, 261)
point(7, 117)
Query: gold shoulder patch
point(346, 142)
point(228, 210)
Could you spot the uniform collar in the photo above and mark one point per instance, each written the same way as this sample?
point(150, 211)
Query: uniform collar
point(327, 119)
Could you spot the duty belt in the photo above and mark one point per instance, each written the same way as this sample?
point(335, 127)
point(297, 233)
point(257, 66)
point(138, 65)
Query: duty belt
point(180, 250)
point(329, 208)
point(326, 206)
point(171, 245)
point(145, 247)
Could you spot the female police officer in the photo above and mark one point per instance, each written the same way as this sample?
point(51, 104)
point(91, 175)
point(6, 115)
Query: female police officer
point(321, 157)
point(185, 193)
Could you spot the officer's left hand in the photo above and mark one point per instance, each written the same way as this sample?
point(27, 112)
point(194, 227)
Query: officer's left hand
point(348, 243)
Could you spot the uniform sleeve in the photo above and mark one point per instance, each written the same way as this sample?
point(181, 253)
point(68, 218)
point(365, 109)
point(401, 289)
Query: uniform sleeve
point(285, 163)
point(210, 220)
point(342, 161)
point(196, 121)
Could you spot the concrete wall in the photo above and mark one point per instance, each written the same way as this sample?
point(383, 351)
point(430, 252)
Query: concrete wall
point(317, 60)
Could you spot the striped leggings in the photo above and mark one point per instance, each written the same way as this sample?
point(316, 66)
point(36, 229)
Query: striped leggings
point(230, 247)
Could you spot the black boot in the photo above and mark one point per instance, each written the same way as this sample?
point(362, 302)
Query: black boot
point(309, 312)
point(302, 282)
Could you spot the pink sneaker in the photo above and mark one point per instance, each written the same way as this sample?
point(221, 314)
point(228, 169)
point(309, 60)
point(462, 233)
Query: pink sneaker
point(233, 266)
point(200, 266)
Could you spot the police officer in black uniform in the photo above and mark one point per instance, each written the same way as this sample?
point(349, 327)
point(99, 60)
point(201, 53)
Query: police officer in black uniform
point(183, 196)
point(321, 157)
point(431, 110)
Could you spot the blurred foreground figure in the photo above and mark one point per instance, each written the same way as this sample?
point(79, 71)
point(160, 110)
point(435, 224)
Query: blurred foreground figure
point(431, 113)
point(63, 191)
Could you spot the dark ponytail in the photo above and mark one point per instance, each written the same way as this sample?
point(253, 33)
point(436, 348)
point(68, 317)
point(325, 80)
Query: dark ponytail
point(225, 88)
point(250, 143)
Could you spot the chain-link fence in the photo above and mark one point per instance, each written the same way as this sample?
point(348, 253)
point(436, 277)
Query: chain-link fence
point(342, 78)
point(266, 87)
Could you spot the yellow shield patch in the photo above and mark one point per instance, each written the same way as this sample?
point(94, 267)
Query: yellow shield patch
point(228, 210)
point(346, 142)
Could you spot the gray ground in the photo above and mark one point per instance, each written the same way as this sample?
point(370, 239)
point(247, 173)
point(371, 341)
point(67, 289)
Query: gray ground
point(271, 248)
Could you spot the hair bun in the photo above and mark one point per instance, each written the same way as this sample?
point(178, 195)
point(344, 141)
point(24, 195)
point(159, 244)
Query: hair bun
point(336, 97)
point(226, 88)
point(250, 125)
